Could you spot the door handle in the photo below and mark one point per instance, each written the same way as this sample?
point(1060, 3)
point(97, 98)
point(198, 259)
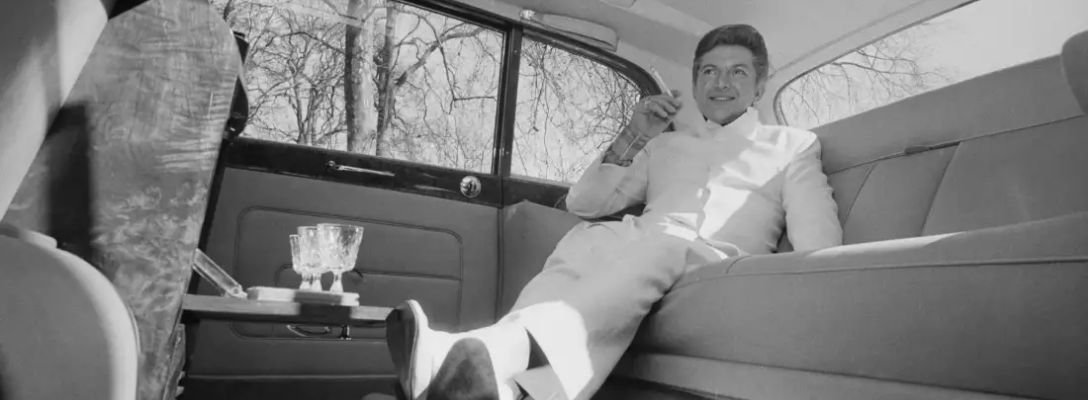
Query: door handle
point(347, 168)
point(326, 333)
point(305, 330)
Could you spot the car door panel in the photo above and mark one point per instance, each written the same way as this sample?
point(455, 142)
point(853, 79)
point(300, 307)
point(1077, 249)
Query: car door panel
point(438, 248)
point(390, 264)
point(425, 239)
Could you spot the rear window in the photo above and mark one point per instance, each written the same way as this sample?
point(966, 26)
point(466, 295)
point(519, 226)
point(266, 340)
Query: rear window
point(979, 38)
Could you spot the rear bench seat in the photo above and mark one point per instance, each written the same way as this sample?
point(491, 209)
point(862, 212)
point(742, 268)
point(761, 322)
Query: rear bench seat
point(965, 273)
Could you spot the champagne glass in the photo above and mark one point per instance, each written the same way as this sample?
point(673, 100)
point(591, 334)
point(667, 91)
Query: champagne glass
point(311, 256)
point(296, 263)
point(339, 249)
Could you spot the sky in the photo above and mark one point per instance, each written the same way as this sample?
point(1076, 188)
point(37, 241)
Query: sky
point(990, 35)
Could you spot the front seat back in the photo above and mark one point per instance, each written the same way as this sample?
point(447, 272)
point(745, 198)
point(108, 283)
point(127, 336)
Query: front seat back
point(65, 333)
point(45, 44)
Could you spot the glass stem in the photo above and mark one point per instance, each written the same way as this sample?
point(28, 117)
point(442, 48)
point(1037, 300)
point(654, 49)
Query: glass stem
point(337, 286)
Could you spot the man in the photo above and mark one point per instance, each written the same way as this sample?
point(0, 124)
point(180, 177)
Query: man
point(723, 189)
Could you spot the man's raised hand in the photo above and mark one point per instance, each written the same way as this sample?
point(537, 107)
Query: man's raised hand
point(653, 114)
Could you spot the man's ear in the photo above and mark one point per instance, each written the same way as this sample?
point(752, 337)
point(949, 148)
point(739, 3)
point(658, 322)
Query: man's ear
point(761, 86)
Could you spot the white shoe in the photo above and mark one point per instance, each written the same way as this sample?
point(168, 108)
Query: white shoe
point(442, 366)
point(414, 347)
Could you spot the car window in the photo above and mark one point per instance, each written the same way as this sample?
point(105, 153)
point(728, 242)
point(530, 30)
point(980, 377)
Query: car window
point(375, 77)
point(569, 108)
point(976, 39)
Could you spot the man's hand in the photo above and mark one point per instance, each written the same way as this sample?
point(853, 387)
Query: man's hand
point(651, 116)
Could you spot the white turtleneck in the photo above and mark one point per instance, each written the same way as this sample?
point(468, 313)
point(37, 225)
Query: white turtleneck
point(733, 187)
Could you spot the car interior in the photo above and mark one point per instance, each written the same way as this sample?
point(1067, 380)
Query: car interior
point(133, 133)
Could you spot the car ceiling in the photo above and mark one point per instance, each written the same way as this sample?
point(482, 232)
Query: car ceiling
point(795, 30)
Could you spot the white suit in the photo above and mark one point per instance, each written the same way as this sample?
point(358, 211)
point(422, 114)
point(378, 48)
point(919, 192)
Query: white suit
point(711, 193)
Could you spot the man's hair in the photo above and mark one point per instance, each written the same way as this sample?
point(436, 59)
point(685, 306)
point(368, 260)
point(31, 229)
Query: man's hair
point(734, 35)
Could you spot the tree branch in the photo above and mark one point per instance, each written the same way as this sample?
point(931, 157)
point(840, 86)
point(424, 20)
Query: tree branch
point(422, 59)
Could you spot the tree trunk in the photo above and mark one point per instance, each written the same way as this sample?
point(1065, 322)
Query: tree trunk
point(358, 89)
point(385, 63)
point(305, 136)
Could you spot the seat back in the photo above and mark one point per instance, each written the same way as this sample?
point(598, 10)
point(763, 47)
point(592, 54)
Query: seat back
point(1000, 149)
point(45, 45)
point(64, 331)
point(123, 177)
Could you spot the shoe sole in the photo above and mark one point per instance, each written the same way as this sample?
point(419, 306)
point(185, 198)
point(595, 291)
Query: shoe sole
point(466, 374)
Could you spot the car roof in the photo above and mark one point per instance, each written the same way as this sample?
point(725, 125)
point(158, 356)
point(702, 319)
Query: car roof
point(800, 34)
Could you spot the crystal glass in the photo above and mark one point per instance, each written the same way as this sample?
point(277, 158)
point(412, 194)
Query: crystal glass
point(339, 249)
point(298, 266)
point(310, 256)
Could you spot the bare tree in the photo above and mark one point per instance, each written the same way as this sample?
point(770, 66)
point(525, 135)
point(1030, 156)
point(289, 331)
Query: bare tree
point(293, 82)
point(379, 77)
point(569, 109)
point(385, 60)
point(880, 73)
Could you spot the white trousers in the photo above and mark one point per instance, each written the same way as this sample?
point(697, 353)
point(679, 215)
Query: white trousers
point(584, 308)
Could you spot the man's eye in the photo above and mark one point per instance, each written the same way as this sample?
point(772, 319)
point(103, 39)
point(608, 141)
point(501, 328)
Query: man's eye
point(708, 71)
point(740, 72)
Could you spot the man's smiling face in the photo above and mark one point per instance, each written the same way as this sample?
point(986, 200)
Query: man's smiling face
point(726, 83)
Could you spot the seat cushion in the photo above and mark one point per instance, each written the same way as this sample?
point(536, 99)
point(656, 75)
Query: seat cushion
point(999, 310)
point(663, 376)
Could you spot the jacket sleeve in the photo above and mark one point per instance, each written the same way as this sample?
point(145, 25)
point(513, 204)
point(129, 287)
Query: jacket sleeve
point(605, 189)
point(812, 220)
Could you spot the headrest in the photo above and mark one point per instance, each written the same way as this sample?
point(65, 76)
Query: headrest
point(1075, 65)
